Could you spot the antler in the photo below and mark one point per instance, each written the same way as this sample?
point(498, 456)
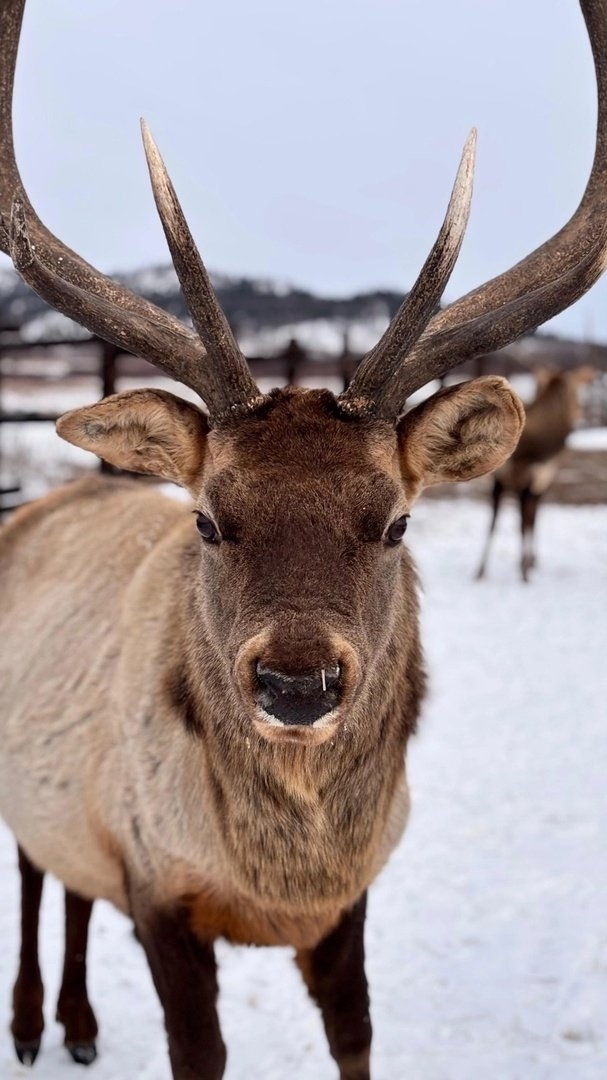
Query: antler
point(207, 316)
point(214, 369)
point(418, 308)
point(546, 282)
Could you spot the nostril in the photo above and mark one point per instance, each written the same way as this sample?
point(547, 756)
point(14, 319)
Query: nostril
point(277, 681)
point(314, 682)
point(298, 699)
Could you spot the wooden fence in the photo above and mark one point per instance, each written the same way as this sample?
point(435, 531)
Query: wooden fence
point(93, 357)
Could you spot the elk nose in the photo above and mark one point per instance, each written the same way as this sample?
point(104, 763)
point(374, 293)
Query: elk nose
point(298, 699)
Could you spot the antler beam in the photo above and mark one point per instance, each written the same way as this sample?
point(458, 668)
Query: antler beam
point(543, 284)
point(81, 292)
point(418, 308)
point(233, 376)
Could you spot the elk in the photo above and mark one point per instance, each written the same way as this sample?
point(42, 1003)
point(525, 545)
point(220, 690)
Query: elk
point(205, 714)
point(528, 473)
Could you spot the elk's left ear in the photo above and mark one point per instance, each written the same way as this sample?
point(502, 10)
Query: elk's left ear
point(459, 433)
point(146, 431)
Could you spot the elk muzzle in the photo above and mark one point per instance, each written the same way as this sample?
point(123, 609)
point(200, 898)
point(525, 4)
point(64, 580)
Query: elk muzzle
point(297, 685)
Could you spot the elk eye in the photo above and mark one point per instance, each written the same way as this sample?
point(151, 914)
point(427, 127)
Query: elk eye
point(207, 529)
point(397, 530)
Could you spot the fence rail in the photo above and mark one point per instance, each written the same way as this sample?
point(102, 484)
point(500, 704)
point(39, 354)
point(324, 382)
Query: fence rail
point(91, 357)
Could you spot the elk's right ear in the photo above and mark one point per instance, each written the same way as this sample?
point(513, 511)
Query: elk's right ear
point(146, 431)
point(459, 433)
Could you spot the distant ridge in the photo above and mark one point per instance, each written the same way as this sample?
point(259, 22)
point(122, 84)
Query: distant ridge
point(266, 315)
point(263, 313)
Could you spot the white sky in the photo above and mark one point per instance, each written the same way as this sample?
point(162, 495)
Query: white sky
point(316, 141)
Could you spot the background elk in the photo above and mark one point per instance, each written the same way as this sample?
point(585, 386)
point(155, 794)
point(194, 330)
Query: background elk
point(205, 716)
point(531, 469)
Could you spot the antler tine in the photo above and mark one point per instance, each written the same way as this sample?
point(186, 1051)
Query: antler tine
point(543, 284)
point(146, 337)
point(419, 306)
point(70, 284)
point(234, 384)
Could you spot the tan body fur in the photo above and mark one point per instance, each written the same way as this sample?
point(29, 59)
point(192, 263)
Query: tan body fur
point(94, 750)
point(145, 757)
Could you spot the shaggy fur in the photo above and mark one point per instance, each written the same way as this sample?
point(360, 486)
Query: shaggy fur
point(135, 764)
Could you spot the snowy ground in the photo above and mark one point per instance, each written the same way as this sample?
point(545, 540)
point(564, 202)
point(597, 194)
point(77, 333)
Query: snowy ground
point(487, 933)
point(588, 439)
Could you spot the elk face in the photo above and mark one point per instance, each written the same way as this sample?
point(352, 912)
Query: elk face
point(301, 509)
point(302, 576)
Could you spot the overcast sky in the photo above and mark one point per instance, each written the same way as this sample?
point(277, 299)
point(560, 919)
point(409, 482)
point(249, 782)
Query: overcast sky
point(311, 141)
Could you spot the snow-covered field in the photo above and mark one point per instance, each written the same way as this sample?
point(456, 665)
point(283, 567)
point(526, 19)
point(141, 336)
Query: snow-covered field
point(487, 933)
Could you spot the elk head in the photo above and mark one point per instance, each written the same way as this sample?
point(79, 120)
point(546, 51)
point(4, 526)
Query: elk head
point(302, 498)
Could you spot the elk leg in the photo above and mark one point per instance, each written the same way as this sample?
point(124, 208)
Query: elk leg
point(73, 1007)
point(334, 973)
point(28, 993)
point(496, 498)
point(185, 976)
point(529, 501)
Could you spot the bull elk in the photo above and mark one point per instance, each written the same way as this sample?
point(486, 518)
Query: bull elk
point(205, 714)
point(529, 472)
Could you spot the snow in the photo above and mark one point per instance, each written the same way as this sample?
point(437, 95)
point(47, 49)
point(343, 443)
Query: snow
point(52, 325)
point(525, 385)
point(158, 280)
point(323, 336)
point(588, 439)
point(487, 938)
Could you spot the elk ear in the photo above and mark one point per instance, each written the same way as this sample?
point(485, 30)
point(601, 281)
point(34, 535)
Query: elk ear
point(459, 433)
point(146, 431)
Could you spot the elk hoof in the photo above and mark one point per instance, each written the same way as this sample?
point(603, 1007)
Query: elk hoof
point(82, 1053)
point(27, 1051)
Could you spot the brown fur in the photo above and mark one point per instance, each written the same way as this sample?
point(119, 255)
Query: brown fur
point(187, 991)
point(240, 922)
point(551, 416)
point(73, 1007)
point(135, 762)
point(334, 973)
point(530, 470)
point(28, 992)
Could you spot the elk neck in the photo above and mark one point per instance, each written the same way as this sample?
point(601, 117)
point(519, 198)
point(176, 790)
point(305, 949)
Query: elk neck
point(298, 826)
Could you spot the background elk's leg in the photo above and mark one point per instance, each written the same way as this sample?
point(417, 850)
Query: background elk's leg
point(185, 976)
point(28, 992)
point(73, 1007)
point(529, 501)
point(334, 973)
point(496, 497)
